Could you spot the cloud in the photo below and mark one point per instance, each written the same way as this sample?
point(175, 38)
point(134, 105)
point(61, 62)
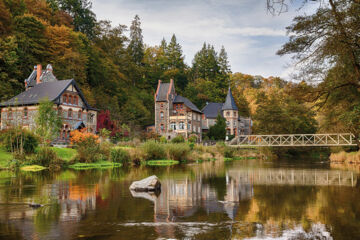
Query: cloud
point(250, 35)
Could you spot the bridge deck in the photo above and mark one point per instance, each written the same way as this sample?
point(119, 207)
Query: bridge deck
point(294, 140)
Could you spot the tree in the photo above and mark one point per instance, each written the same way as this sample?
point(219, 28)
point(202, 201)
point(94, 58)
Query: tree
point(218, 130)
point(326, 46)
point(84, 19)
point(48, 122)
point(136, 46)
point(175, 66)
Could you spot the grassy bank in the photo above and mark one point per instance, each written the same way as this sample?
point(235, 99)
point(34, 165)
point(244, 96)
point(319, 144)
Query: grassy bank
point(110, 156)
point(345, 157)
point(5, 157)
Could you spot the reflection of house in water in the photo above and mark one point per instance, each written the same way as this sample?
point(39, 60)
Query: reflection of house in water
point(75, 200)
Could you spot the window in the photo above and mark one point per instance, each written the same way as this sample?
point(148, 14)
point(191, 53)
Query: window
point(227, 123)
point(80, 114)
point(161, 105)
point(234, 114)
point(75, 100)
point(162, 115)
point(162, 127)
point(189, 126)
point(199, 130)
point(70, 113)
point(70, 99)
point(10, 115)
point(181, 125)
point(26, 113)
point(65, 98)
point(173, 126)
point(228, 114)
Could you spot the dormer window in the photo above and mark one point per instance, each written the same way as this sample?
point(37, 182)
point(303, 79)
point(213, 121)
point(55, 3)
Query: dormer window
point(80, 114)
point(70, 99)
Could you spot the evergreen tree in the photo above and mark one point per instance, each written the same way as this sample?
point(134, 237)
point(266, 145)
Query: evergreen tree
point(84, 19)
point(205, 64)
point(218, 131)
point(224, 62)
point(136, 46)
point(175, 64)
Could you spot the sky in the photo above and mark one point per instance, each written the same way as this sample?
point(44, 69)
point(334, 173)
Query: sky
point(249, 33)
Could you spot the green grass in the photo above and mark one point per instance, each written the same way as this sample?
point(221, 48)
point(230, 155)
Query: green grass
point(32, 168)
point(5, 157)
point(161, 162)
point(228, 159)
point(96, 165)
point(65, 154)
point(243, 158)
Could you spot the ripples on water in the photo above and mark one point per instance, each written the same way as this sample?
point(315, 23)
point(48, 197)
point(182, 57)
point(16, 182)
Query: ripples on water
point(213, 200)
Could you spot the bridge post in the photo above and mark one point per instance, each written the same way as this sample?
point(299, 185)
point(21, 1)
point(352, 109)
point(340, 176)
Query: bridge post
point(292, 140)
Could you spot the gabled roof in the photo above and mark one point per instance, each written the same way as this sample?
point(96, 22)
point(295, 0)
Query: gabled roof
point(211, 110)
point(50, 90)
point(229, 102)
point(187, 102)
point(163, 90)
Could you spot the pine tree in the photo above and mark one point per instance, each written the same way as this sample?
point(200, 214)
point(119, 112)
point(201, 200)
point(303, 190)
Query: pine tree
point(136, 46)
point(224, 62)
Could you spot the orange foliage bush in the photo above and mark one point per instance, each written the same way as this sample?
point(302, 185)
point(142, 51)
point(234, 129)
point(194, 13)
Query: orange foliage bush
point(79, 136)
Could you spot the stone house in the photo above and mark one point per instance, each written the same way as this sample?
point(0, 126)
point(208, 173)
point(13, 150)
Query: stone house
point(235, 124)
point(175, 114)
point(66, 95)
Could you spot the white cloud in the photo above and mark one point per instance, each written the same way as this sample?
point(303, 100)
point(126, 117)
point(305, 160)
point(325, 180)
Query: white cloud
point(250, 35)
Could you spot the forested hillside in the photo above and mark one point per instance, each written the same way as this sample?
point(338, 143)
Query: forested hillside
point(117, 71)
point(115, 68)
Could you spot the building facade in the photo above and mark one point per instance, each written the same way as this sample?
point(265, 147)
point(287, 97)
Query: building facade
point(67, 97)
point(175, 114)
point(235, 124)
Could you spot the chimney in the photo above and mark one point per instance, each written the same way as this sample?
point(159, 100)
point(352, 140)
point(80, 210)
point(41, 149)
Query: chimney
point(38, 73)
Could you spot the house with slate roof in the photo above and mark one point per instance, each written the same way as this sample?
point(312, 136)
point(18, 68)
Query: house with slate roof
point(175, 114)
point(66, 95)
point(235, 124)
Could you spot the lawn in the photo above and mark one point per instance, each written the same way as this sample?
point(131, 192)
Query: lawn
point(65, 154)
point(5, 157)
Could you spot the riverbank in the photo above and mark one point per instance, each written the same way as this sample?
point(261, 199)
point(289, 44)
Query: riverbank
point(148, 153)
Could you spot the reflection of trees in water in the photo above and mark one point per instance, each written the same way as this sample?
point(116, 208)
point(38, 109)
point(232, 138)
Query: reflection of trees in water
point(283, 202)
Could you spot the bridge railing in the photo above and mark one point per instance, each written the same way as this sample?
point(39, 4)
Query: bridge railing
point(288, 140)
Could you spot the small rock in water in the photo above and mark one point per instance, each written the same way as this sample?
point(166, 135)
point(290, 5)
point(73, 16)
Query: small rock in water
point(151, 183)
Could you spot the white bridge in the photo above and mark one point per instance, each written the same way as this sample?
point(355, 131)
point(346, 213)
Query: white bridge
point(295, 140)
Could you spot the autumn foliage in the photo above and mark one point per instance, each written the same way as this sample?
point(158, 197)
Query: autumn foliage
point(80, 136)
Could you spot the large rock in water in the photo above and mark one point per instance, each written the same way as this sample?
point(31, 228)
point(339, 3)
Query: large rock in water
point(151, 183)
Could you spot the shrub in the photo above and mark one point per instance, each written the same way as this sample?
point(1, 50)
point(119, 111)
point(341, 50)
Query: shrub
point(153, 150)
point(193, 138)
point(136, 155)
point(20, 140)
point(45, 156)
point(87, 145)
point(178, 139)
point(162, 139)
point(119, 155)
point(192, 145)
point(229, 152)
point(178, 151)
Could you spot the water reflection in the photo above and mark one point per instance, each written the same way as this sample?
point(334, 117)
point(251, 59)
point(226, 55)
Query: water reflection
point(212, 200)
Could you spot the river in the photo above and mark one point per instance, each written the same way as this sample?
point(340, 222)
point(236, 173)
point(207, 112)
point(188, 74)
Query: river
point(251, 199)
